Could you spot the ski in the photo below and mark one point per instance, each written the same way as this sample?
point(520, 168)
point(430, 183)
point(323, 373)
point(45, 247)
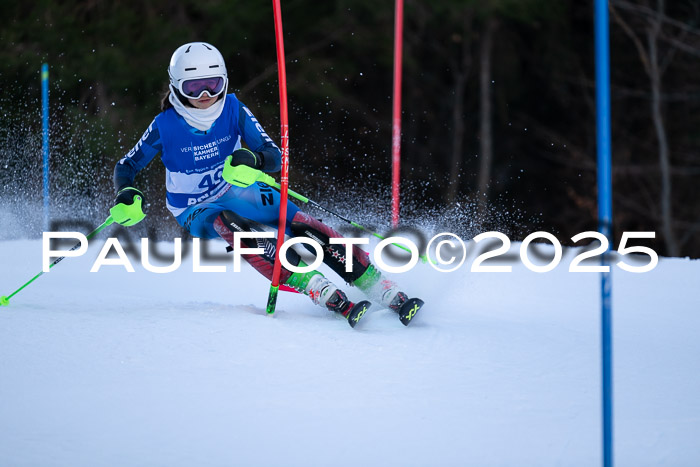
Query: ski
point(356, 312)
point(409, 309)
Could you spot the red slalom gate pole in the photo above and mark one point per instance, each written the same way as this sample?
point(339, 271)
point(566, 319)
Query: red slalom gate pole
point(396, 119)
point(284, 177)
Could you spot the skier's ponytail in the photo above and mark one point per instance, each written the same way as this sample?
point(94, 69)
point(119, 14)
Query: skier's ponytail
point(165, 101)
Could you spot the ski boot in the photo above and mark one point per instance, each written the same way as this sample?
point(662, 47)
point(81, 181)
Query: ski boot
point(323, 292)
point(353, 312)
point(404, 306)
point(388, 294)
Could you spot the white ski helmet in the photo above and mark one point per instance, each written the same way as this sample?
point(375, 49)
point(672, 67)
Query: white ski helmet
point(197, 67)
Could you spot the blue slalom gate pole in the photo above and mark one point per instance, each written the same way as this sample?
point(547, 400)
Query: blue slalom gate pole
point(602, 59)
point(45, 138)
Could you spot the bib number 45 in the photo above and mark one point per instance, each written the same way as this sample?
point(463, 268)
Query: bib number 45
point(208, 182)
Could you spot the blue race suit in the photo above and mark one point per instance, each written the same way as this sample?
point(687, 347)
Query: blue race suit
point(194, 161)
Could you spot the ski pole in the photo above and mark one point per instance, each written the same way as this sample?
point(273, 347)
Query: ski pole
point(5, 299)
point(271, 181)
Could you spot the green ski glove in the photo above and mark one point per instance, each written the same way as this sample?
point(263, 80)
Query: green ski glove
point(241, 175)
point(244, 156)
point(128, 208)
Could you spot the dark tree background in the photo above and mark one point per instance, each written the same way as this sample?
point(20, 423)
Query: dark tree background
point(498, 102)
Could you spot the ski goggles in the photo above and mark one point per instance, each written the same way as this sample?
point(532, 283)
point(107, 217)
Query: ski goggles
point(194, 88)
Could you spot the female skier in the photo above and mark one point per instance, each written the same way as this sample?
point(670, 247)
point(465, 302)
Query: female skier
point(213, 188)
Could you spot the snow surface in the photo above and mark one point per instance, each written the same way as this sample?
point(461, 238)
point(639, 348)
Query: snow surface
point(186, 369)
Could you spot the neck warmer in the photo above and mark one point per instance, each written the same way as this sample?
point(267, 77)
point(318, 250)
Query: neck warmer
point(201, 119)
